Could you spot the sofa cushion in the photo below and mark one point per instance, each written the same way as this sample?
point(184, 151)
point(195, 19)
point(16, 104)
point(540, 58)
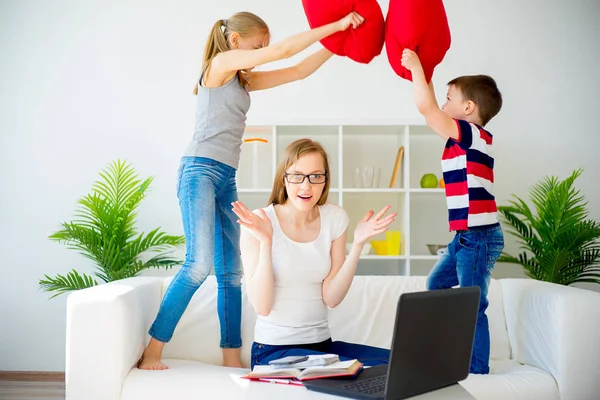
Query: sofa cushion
point(190, 379)
point(185, 380)
point(421, 26)
point(499, 344)
point(365, 316)
point(509, 379)
point(368, 312)
point(197, 335)
point(361, 44)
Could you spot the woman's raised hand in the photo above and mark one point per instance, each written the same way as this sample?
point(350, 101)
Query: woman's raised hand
point(259, 225)
point(372, 225)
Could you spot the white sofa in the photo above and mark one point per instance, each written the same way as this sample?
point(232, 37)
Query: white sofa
point(545, 341)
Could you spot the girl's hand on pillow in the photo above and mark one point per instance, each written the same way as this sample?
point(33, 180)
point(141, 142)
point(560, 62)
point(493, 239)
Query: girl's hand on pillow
point(353, 19)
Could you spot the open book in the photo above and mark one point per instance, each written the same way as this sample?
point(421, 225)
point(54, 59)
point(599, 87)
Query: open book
point(340, 368)
point(314, 360)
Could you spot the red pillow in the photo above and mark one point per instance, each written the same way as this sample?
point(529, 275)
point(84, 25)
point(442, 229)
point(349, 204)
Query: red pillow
point(361, 44)
point(420, 25)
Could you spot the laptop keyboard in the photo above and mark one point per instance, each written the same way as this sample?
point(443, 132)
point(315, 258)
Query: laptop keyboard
point(368, 386)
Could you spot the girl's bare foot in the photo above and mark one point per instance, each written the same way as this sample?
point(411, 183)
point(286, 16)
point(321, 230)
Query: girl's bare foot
point(151, 357)
point(231, 358)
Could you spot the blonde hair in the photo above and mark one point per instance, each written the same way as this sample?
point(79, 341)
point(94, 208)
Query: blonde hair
point(244, 23)
point(293, 152)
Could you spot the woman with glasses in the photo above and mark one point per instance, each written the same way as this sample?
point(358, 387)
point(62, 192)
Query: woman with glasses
point(294, 259)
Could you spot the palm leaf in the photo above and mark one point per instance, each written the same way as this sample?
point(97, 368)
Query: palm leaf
point(161, 261)
point(119, 181)
point(516, 224)
point(64, 284)
point(81, 238)
point(581, 266)
point(135, 268)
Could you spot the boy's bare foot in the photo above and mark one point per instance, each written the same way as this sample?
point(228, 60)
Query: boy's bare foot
point(231, 358)
point(151, 357)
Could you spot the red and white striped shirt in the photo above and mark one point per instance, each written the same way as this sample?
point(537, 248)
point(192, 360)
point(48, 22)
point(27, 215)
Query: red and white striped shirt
point(468, 171)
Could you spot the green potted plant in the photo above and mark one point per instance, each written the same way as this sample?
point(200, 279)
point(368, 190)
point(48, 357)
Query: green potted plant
point(104, 231)
point(560, 243)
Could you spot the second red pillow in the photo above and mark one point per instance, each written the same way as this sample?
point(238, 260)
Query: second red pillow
point(419, 25)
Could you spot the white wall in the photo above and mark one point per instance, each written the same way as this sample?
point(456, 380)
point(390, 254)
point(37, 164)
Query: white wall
point(84, 83)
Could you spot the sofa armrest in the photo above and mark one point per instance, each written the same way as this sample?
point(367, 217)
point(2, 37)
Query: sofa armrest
point(106, 334)
point(555, 328)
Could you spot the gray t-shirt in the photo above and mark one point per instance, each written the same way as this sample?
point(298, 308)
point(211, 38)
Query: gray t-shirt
point(220, 122)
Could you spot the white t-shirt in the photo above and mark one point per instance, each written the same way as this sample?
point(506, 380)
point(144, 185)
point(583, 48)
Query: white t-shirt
point(299, 315)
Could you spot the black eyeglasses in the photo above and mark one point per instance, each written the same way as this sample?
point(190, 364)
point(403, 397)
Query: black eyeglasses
point(315, 179)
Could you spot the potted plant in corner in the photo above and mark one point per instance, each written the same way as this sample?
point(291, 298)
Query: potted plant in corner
point(104, 231)
point(560, 244)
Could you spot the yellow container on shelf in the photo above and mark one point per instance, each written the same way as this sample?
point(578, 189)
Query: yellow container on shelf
point(391, 246)
point(379, 247)
point(393, 243)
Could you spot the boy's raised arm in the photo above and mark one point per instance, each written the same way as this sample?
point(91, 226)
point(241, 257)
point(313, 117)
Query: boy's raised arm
point(436, 119)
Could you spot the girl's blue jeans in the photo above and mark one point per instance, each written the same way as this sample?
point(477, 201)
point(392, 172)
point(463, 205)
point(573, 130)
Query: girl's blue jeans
point(205, 189)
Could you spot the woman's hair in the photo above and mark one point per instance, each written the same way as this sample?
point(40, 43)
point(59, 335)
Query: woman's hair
point(293, 152)
point(244, 23)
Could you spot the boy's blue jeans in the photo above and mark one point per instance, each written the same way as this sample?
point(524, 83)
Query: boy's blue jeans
point(469, 261)
point(206, 188)
point(261, 354)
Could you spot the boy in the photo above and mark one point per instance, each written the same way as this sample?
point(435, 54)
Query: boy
point(468, 171)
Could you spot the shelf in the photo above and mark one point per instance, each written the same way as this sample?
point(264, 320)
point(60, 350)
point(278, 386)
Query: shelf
point(355, 145)
point(252, 190)
point(285, 121)
point(374, 257)
point(352, 190)
point(381, 131)
point(301, 131)
point(421, 190)
point(373, 190)
point(420, 131)
point(427, 257)
point(268, 190)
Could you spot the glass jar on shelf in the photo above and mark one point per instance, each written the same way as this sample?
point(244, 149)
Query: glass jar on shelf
point(255, 143)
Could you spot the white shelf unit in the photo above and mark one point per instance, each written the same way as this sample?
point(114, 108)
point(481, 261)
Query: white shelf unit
point(422, 215)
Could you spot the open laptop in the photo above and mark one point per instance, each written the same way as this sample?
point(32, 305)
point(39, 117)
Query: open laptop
point(431, 348)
